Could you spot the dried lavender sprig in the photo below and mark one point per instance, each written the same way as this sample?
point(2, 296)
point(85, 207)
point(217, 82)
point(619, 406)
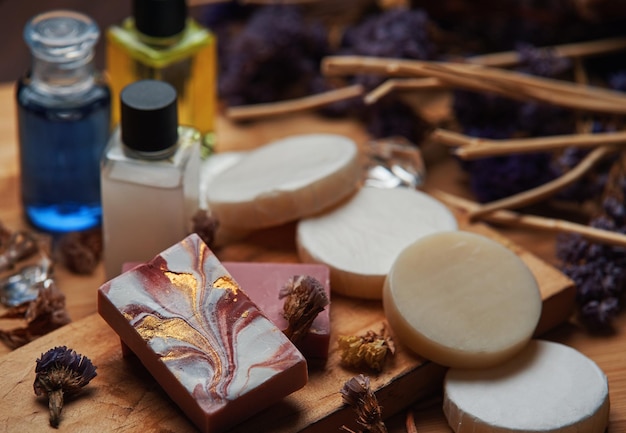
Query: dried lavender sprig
point(61, 371)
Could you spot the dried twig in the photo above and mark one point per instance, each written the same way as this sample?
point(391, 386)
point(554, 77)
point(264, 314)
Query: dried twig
point(502, 59)
point(509, 218)
point(393, 84)
point(294, 105)
point(511, 84)
point(574, 50)
point(472, 148)
point(410, 422)
point(546, 190)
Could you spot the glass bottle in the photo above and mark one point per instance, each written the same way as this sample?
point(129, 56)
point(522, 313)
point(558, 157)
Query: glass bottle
point(161, 42)
point(149, 176)
point(63, 112)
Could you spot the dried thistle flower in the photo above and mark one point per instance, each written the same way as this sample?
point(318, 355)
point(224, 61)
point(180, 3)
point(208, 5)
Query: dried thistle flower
point(370, 349)
point(357, 393)
point(305, 299)
point(61, 371)
point(81, 251)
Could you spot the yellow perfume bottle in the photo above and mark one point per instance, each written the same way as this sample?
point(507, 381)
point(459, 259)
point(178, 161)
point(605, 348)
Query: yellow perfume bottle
point(161, 42)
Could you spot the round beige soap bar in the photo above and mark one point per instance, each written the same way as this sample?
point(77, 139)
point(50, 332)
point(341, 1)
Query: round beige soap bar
point(461, 299)
point(360, 239)
point(546, 388)
point(285, 180)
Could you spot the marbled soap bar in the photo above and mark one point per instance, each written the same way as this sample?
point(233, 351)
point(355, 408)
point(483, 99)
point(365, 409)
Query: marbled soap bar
point(206, 343)
point(263, 281)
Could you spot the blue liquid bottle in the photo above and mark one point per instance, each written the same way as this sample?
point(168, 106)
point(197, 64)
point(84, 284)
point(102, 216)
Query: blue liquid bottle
point(63, 121)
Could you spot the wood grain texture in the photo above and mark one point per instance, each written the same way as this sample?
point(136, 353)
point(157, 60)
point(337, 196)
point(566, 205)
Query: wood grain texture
point(124, 396)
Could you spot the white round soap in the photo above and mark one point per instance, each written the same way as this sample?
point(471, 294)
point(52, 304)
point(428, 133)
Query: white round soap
point(360, 239)
point(461, 299)
point(547, 388)
point(285, 180)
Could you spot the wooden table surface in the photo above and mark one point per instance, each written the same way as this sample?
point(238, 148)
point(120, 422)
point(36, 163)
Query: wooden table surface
point(608, 351)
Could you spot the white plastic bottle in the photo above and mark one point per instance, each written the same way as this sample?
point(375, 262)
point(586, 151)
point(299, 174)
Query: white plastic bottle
point(149, 177)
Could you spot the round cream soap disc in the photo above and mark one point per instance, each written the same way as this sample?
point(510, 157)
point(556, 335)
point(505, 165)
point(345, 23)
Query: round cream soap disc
point(285, 180)
point(547, 388)
point(461, 299)
point(360, 239)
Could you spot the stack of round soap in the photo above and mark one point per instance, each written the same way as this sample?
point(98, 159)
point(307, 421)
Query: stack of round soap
point(546, 388)
point(468, 302)
point(360, 239)
point(284, 181)
point(462, 300)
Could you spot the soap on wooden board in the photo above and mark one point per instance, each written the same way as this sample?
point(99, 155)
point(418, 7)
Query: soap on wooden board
point(360, 239)
point(547, 388)
point(262, 283)
point(284, 180)
point(200, 336)
point(462, 300)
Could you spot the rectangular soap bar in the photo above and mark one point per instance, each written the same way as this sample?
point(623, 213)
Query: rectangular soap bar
point(206, 343)
point(263, 281)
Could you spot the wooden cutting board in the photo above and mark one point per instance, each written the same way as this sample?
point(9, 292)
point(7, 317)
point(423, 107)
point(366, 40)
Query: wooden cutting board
point(125, 398)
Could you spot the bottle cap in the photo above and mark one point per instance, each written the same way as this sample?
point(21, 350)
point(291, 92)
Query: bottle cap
point(62, 36)
point(149, 117)
point(160, 18)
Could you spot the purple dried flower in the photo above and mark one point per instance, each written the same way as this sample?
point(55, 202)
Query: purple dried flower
point(61, 371)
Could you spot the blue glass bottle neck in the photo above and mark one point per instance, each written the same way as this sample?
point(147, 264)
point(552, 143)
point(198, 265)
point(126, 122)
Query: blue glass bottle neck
point(62, 78)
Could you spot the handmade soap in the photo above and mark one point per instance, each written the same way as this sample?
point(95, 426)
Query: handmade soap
point(285, 180)
point(461, 299)
point(263, 281)
point(547, 388)
point(206, 343)
point(360, 239)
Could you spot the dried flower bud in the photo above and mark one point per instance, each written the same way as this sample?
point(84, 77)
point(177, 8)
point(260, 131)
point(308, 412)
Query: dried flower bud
point(356, 392)
point(370, 349)
point(205, 226)
point(81, 251)
point(305, 299)
point(61, 371)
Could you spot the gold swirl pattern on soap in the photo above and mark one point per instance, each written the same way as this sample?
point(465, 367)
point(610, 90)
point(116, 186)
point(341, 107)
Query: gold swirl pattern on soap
point(206, 331)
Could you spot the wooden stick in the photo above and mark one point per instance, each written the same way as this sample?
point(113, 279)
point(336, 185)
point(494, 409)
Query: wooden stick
point(546, 190)
point(509, 218)
point(410, 422)
point(294, 105)
point(502, 59)
point(578, 49)
point(480, 78)
point(472, 148)
point(394, 84)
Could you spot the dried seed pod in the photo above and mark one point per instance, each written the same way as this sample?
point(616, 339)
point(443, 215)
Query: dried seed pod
point(305, 298)
point(357, 393)
point(370, 349)
point(61, 371)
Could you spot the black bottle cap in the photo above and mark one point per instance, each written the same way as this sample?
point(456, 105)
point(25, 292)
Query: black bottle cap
point(160, 18)
point(149, 116)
